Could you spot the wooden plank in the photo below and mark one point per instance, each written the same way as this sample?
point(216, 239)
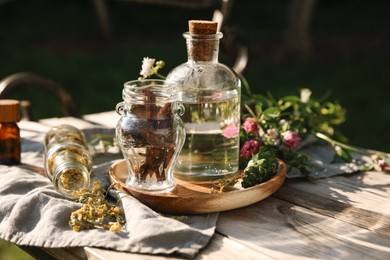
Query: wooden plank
point(360, 199)
point(286, 228)
point(375, 222)
point(103, 254)
point(369, 191)
point(64, 253)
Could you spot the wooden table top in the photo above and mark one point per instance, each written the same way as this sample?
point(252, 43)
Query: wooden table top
point(343, 217)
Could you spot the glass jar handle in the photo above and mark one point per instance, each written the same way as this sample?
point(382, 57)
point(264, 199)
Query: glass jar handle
point(179, 109)
point(120, 108)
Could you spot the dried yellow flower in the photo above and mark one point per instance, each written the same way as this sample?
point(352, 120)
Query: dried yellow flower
point(115, 227)
point(95, 211)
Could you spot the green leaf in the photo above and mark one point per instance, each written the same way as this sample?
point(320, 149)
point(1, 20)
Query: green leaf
point(262, 167)
point(272, 112)
point(259, 110)
point(292, 99)
point(341, 155)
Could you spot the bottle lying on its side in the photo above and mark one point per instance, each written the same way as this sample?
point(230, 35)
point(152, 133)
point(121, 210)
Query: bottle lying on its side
point(67, 159)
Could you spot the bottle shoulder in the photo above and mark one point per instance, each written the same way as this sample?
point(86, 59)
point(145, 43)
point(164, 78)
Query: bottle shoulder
point(9, 130)
point(204, 75)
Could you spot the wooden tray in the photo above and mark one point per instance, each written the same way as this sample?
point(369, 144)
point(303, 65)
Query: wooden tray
point(191, 198)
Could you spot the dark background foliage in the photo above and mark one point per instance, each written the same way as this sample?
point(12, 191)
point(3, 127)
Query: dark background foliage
point(348, 54)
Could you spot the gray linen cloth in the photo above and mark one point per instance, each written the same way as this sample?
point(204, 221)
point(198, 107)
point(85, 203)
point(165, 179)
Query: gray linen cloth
point(32, 213)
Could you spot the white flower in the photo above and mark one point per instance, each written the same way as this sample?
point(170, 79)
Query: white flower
point(273, 133)
point(147, 64)
point(276, 142)
point(305, 95)
point(282, 122)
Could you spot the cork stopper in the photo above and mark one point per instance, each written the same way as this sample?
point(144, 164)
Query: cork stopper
point(202, 27)
point(202, 40)
point(9, 110)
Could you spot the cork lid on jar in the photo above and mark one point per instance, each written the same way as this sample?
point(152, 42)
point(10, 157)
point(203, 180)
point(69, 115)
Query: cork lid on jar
point(202, 27)
point(9, 110)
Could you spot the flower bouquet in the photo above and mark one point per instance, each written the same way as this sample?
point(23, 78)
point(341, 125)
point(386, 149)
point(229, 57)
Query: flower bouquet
point(284, 126)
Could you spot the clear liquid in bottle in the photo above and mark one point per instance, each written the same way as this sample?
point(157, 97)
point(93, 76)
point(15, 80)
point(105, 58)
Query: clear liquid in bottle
point(210, 149)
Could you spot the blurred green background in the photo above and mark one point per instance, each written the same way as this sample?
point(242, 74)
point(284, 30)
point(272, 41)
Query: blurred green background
point(349, 53)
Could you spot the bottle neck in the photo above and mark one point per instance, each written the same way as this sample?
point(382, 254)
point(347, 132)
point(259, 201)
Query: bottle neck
point(203, 48)
point(71, 176)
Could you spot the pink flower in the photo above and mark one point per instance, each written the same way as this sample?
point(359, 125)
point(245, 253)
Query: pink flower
point(230, 131)
point(382, 164)
point(249, 148)
point(250, 125)
point(291, 140)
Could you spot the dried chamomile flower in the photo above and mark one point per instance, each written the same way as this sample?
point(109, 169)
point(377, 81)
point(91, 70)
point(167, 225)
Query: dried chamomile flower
point(115, 227)
point(224, 183)
point(95, 211)
point(72, 180)
point(179, 218)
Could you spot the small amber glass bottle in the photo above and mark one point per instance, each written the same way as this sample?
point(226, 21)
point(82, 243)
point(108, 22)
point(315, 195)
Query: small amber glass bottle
point(9, 132)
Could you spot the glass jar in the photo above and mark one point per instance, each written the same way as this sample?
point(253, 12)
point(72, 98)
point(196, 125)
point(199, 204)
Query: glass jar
point(210, 93)
point(150, 133)
point(67, 159)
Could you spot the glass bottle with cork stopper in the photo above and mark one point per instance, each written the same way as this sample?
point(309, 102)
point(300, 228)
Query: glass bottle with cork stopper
point(210, 93)
point(9, 132)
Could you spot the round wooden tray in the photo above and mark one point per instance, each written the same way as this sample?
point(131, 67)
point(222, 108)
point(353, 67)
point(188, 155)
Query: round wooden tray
point(191, 198)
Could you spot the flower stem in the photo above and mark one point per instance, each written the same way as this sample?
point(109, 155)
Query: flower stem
point(348, 147)
point(159, 75)
point(245, 84)
point(154, 71)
